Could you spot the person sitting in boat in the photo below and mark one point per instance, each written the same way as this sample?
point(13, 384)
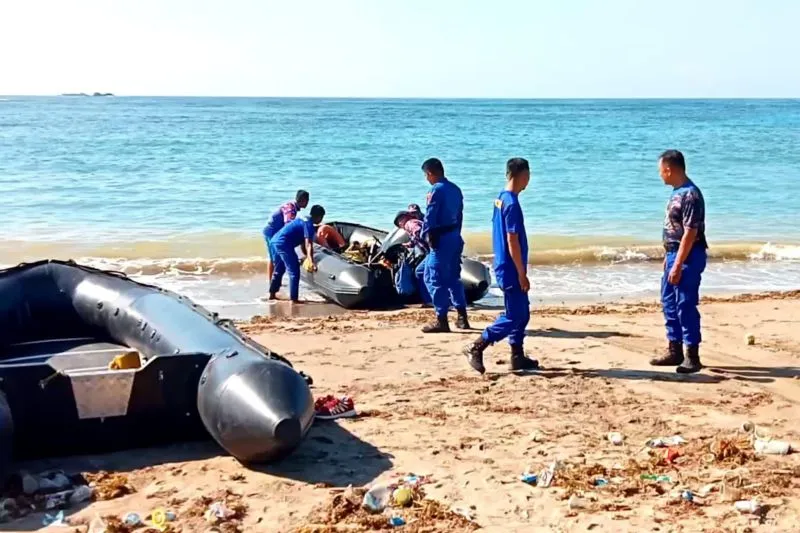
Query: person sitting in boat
point(299, 232)
point(330, 238)
point(279, 218)
point(411, 221)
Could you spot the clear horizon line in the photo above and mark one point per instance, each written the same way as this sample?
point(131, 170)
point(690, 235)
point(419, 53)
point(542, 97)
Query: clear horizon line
point(317, 97)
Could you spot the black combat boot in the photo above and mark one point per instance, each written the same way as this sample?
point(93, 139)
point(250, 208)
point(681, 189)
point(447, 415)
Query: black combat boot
point(691, 363)
point(439, 326)
point(521, 362)
point(474, 353)
point(462, 322)
point(672, 357)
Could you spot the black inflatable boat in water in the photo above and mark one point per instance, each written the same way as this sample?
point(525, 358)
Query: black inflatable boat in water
point(63, 326)
point(370, 285)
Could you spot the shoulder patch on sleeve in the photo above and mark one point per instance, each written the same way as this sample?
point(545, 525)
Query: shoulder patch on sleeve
point(498, 203)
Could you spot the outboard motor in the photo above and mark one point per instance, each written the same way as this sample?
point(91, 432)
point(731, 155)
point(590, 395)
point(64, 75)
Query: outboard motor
point(398, 236)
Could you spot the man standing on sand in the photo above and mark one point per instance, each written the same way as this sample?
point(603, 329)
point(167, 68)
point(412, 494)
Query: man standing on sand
point(442, 230)
point(279, 218)
point(510, 246)
point(684, 237)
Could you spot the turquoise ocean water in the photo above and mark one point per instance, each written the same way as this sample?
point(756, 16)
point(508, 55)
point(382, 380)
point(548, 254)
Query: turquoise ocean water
point(176, 190)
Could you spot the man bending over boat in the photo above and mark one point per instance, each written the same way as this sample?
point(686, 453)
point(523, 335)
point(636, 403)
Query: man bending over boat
point(279, 218)
point(411, 221)
point(299, 232)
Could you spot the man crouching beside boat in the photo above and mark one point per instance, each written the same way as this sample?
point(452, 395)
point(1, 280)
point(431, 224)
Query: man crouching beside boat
point(277, 220)
point(300, 231)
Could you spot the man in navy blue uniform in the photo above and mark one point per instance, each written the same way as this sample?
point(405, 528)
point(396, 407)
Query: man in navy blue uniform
point(510, 245)
point(442, 230)
point(684, 236)
point(300, 231)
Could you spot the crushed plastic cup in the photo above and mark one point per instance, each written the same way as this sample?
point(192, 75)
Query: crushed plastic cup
point(412, 480)
point(56, 500)
point(54, 520)
point(747, 506)
point(616, 438)
point(132, 520)
point(377, 498)
point(545, 478)
point(772, 447)
point(396, 521)
point(666, 442)
point(218, 512)
point(81, 494)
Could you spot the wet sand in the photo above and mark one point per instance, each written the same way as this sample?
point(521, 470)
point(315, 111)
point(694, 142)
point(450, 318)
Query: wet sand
point(423, 410)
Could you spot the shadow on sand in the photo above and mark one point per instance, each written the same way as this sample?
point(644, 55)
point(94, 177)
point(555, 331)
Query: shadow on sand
point(555, 333)
point(620, 373)
point(332, 455)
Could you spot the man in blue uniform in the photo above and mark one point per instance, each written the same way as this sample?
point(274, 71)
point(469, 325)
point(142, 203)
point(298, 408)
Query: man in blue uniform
point(300, 231)
point(278, 219)
point(442, 230)
point(510, 245)
point(684, 236)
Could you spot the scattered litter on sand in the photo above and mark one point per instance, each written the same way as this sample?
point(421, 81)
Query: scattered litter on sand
point(359, 509)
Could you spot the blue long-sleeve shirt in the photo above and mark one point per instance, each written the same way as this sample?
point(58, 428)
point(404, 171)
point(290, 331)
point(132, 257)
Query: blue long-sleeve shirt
point(445, 209)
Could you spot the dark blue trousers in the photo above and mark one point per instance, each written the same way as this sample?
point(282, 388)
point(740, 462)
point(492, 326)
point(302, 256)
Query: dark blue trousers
point(511, 324)
point(443, 274)
point(680, 301)
point(286, 259)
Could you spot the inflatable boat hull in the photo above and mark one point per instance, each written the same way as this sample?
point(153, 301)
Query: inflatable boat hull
point(60, 326)
point(353, 285)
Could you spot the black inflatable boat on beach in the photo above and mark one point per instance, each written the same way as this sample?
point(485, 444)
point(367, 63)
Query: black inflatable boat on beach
point(64, 326)
point(370, 285)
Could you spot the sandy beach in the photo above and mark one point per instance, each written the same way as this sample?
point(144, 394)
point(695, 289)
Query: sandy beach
point(422, 410)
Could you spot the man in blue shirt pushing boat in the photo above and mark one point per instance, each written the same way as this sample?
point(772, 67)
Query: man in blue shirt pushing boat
point(299, 232)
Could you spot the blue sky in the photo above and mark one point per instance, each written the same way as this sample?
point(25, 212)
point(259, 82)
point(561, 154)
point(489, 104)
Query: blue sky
point(402, 48)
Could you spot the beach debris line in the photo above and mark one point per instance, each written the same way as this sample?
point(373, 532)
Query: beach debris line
point(53, 490)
